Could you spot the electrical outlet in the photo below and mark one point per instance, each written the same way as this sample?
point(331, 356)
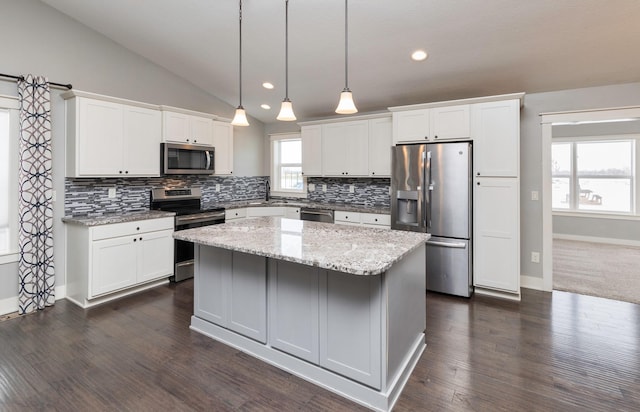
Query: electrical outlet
point(352, 189)
point(217, 187)
point(534, 195)
point(535, 257)
point(112, 193)
point(324, 188)
point(312, 187)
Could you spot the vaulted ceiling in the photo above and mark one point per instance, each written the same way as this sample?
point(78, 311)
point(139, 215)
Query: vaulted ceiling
point(475, 47)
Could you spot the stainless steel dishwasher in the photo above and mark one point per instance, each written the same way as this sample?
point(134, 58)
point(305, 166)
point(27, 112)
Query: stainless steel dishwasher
point(316, 215)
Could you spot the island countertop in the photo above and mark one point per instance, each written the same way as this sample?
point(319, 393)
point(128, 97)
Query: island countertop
point(350, 249)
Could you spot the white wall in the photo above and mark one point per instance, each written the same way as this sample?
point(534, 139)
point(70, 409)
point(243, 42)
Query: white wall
point(39, 40)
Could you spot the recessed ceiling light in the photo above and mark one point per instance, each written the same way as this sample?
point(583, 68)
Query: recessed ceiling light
point(265, 106)
point(267, 85)
point(419, 55)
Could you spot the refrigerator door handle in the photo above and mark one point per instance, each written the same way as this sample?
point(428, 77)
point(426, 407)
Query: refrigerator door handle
point(429, 186)
point(455, 245)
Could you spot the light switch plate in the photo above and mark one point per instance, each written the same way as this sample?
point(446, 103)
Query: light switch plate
point(312, 187)
point(534, 195)
point(324, 188)
point(112, 193)
point(352, 189)
point(217, 187)
point(535, 257)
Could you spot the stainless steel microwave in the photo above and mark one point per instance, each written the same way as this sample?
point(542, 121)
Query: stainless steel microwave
point(186, 159)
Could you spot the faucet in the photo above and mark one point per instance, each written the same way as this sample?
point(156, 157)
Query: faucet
point(267, 188)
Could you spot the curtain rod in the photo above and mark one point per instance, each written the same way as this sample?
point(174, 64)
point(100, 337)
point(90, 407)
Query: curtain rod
point(64, 86)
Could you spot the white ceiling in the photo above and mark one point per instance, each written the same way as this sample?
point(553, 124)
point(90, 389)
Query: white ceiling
point(476, 47)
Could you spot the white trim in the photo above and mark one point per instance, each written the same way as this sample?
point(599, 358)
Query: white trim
point(9, 102)
point(535, 283)
point(484, 99)
point(594, 215)
point(368, 116)
point(498, 294)
point(9, 257)
point(10, 305)
point(597, 239)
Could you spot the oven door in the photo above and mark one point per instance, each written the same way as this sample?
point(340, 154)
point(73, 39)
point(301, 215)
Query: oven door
point(185, 159)
point(184, 251)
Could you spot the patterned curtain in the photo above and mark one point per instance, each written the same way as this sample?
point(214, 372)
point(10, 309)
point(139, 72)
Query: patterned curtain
point(36, 282)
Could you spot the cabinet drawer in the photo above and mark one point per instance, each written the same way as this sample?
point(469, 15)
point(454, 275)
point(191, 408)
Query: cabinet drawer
point(231, 214)
point(265, 211)
point(346, 217)
point(131, 228)
point(375, 219)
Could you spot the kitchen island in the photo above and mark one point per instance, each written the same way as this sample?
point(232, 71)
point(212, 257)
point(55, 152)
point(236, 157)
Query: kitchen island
point(340, 306)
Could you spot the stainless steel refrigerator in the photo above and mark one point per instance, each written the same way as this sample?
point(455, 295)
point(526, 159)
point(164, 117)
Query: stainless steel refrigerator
point(431, 192)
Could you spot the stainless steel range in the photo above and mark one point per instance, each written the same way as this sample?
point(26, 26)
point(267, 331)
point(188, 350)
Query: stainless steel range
point(186, 203)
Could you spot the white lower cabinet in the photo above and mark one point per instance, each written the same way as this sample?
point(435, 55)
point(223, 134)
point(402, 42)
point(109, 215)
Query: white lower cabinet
point(375, 220)
point(232, 214)
point(496, 257)
point(233, 291)
point(107, 261)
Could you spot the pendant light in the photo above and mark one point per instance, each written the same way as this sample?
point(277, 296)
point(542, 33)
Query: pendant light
point(346, 104)
point(240, 118)
point(286, 110)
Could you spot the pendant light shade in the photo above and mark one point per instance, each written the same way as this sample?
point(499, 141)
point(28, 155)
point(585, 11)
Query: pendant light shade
point(286, 109)
point(240, 118)
point(346, 104)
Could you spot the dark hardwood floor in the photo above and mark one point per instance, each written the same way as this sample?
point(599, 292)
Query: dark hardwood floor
point(551, 352)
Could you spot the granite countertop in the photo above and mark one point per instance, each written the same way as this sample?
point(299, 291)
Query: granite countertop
point(107, 219)
point(346, 207)
point(350, 249)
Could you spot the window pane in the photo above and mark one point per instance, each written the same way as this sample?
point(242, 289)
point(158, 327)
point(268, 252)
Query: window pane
point(604, 158)
point(560, 193)
point(291, 151)
point(560, 159)
point(611, 195)
point(291, 178)
point(4, 180)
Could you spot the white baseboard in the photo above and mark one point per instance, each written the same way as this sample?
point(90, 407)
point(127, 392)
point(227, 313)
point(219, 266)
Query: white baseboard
point(595, 239)
point(530, 282)
point(10, 305)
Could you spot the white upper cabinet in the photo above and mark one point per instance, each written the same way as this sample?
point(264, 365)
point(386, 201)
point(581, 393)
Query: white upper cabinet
point(345, 148)
point(428, 125)
point(380, 140)
point(223, 143)
point(450, 122)
point(186, 128)
point(496, 135)
point(311, 137)
point(111, 139)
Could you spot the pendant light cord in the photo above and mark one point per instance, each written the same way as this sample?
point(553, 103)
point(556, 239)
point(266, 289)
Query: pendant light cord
point(286, 50)
point(346, 47)
point(240, 53)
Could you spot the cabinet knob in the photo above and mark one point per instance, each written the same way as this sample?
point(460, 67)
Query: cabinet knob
point(301, 173)
point(187, 140)
point(478, 183)
point(126, 171)
point(140, 238)
point(375, 220)
point(346, 217)
point(137, 228)
point(346, 173)
point(135, 240)
point(195, 141)
point(426, 137)
point(373, 173)
point(435, 137)
point(120, 171)
point(478, 173)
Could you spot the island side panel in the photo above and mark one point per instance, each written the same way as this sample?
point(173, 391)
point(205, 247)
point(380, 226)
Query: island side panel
point(405, 288)
point(293, 302)
point(247, 303)
point(210, 284)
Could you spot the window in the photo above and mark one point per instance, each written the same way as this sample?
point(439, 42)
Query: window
point(286, 165)
point(8, 176)
point(594, 175)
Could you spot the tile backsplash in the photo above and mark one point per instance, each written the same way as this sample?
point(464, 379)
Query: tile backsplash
point(90, 197)
point(367, 191)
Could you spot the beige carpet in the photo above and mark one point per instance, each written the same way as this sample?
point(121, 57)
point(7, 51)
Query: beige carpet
point(597, 269)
